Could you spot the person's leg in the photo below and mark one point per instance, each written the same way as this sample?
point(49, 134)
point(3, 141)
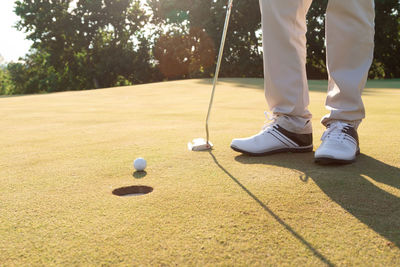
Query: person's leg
point(286, 88)
point(284, 45)
point(350, 46)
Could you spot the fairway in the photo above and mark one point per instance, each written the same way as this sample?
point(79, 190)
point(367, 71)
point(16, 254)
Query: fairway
point(63, 154)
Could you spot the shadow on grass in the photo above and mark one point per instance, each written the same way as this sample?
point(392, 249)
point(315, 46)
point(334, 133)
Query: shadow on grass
point(356, 188)
point(12, 96)
point(314, 85)
point(275, 216)
point(387, 84)
point(139, 174)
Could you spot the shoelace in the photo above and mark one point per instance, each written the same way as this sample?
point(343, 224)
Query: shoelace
point(335, 131)
point(270, 120)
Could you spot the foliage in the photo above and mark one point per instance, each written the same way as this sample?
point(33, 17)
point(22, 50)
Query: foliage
point(185, 55)
point(242, 56)
point(36, 75)
point(386, 63)
point(387, 40)
point(316, 52)
point(95, 44)
point(198, 22)
point(6, 85)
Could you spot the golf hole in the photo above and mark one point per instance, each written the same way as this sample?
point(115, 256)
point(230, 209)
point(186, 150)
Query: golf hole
point(132, 191)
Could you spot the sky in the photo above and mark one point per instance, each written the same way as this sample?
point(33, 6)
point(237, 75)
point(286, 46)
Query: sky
point(12, 42)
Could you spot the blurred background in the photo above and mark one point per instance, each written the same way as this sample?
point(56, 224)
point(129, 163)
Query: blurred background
point(62, 45)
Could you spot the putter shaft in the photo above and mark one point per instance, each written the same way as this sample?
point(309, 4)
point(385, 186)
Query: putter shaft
point(221, 50)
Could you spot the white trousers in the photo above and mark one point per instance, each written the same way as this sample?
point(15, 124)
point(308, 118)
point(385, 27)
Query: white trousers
point(350, 44)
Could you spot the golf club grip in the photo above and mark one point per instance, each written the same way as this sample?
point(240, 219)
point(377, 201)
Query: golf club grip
point(221, 50)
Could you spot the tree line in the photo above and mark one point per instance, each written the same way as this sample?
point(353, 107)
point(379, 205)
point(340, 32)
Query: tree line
point(89, 44)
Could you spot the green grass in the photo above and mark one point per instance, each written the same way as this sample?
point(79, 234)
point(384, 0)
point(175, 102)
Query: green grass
point(63, 154)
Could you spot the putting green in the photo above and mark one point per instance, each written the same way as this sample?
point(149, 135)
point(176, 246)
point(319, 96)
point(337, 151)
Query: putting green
point(63, 154)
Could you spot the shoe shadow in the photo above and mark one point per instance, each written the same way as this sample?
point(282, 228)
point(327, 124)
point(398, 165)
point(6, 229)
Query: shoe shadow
point(356, 188)
point(316, 253)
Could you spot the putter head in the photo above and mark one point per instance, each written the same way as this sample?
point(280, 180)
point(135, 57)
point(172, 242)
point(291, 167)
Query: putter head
point(199, 144)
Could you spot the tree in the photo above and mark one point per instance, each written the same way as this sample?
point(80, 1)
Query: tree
point(242, 56)
point(35, 75)
point(6, 85)
point(386, 62)
point(95, 44)
point(199, 25)
point(316, 52)
point(185, 55)
point(387, 40)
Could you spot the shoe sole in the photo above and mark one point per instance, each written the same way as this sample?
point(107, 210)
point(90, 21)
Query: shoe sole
point(282, 150)
point(333, 161)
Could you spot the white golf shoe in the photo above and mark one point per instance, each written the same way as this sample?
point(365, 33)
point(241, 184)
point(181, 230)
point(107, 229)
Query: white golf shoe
point(273, 139)
point(339, 144)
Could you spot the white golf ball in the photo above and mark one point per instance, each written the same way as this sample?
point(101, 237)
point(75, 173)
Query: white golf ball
point(140, 164)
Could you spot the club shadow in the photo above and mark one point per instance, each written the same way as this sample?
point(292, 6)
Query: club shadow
point(316, 253)
point(354, 187)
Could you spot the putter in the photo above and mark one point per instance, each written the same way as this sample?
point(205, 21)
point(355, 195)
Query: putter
point(201, 144)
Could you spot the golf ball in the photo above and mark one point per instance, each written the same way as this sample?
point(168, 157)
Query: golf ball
point(140, 164)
